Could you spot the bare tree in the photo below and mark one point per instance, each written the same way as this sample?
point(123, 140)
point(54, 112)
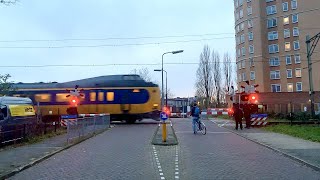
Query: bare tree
point(8, 2)
point(143, 73)
point(204, 83)
point(216, 74)
point(227, 75)
point(5, 85)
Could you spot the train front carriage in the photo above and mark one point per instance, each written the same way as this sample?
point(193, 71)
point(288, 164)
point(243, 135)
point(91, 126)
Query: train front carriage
point(124, 97)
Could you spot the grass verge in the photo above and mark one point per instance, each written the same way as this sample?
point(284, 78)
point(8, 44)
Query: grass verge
point(307, 132)
point(35, 139)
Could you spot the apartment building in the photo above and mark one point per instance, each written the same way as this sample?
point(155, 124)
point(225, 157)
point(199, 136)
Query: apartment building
point(271, 47)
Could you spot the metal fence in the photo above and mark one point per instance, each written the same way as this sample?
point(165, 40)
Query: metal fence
point(71, 128)
point(84, 126)
point(16, 133)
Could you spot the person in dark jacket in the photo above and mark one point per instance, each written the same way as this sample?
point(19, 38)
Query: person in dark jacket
point(238, 115)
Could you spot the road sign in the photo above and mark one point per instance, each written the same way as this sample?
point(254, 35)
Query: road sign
point(163, 116)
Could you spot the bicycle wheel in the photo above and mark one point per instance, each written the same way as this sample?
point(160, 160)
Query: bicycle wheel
point(203, 128)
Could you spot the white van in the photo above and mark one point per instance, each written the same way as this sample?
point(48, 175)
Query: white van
point(16, 110)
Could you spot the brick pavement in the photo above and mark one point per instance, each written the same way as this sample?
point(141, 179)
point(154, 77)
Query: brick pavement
point(224, 155)
point(305, 150)
point(124, 152)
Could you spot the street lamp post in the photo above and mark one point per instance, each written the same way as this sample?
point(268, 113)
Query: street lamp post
point(158, 70)
point(171, 52)
point(164, 125)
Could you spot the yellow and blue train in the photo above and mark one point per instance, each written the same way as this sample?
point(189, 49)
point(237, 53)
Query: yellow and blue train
point(124, 97)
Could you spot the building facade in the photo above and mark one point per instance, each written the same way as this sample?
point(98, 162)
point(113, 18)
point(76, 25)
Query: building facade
point(271, 44)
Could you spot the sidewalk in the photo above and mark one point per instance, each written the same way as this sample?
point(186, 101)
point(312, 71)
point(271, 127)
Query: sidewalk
point(13, 160)
point(299, 149)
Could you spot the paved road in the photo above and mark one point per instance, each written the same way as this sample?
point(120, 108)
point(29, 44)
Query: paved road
point(125, 152)
point(223, 155)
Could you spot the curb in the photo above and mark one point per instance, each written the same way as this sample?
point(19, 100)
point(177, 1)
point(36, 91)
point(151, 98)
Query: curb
point(166, 143)
point(313, 166)
point(24, 167)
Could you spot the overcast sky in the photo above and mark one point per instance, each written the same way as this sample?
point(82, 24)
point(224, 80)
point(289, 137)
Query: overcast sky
point(99, 20)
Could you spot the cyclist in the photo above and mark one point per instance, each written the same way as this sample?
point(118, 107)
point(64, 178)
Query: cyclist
point(195, 113)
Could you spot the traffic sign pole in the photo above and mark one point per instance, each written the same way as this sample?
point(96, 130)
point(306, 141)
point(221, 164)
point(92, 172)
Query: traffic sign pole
point(164, 117)
point(164, 131)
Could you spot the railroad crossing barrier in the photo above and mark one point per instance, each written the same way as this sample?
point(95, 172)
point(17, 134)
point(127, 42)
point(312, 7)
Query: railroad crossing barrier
point(84, 124)
point(259, 119)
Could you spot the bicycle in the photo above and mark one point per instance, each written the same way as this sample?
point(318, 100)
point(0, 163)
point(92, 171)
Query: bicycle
point(200, 126)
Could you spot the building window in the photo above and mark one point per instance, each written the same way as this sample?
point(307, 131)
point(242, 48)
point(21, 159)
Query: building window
point(275, 88)
point(272, 35)
point(296, 45)
point(289, 73)
point(274, 74)
point(236, 3)
point(238, 28)
point(239, 52)
point(243, 51)
point(250, 23)
point(290, 87)
point(248, 1)
point(286, 33)
point(295, 31)
point(298, 72)
point(237, 16)
point(240, 77)
point(243, 63)
point(251, 49)
point(241, 13)
point(273, 48)
point(274, 61)
point(244, 77)
point(294, 4)
point(272, 22)
point(271, 10)
point(297, 59)
point(241, 26)
point(249, 9)
point(288, 59)
point(250, 36)
point(285, 6)
point(286, 20)
point(93, 96)
point(242, 39)
point(269, 1)
point(295, 18)
point(299, 86)
point(251, 62)
point(110, 96)
point(238, 40)
point(239, 64)
point(252, 75)
point(240, 2)
point(287, 46)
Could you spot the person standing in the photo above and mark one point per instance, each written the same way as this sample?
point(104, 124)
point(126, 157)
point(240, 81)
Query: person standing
point(247, 115)
point(238, 115)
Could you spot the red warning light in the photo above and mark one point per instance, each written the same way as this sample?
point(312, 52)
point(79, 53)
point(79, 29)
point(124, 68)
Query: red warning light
point(74, 101)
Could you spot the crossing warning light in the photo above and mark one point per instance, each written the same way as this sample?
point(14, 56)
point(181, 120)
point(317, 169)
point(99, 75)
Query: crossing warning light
point(166, 110)
point(74, 101)
point(244, 98)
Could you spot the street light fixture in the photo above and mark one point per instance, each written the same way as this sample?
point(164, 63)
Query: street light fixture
point(159, 70)
point(171, 52)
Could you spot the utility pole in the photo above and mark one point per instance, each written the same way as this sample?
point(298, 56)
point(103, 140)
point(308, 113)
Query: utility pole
point(310, 49)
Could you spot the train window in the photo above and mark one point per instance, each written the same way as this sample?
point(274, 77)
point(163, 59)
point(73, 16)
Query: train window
point(100, 96)
point(93, 96)
point(136, 90)
point(110, 96)
point(62, 97)
point(42, 97)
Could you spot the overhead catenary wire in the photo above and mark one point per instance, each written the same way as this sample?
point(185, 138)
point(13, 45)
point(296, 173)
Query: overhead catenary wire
point(110, 45)
point(115, 64)
point(115, 38)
